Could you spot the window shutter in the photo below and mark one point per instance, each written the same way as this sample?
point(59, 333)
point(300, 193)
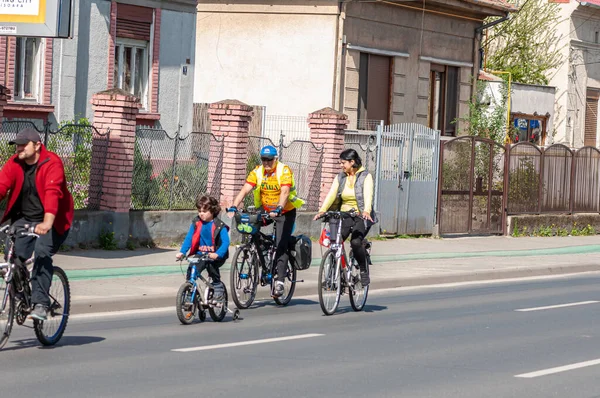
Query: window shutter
point(134, 22)
point(591, 119)
point(378, 88)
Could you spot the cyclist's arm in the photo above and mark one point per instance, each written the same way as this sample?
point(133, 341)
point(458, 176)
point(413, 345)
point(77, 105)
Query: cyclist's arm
point(55, 176)
point(368, 193)
point(187, 242)
point(222, 250)
point(330, 198)
point(286, 186)
point(6, 178)
point(283, 196)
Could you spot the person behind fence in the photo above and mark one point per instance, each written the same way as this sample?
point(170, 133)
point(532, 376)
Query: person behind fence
point(275, 192)
point(351, 189)
point(34, 179)
point(208, 235)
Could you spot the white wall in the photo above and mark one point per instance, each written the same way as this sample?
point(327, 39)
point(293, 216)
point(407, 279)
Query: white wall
point(282, 60)
point(528, 99)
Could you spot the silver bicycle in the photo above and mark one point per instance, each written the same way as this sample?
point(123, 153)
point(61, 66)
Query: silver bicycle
point(338, 275)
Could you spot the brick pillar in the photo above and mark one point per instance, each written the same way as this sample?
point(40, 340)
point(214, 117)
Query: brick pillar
point(327, 127)
point(4, 97)
point(230, 119)
point(115, 111)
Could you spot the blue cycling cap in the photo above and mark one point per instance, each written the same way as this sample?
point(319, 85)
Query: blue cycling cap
point(268, 151)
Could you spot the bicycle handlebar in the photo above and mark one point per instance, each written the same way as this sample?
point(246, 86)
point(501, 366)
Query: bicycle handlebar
point(339, 214)
point(26, 230)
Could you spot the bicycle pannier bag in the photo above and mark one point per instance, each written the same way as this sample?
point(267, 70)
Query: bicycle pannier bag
point(301, 252)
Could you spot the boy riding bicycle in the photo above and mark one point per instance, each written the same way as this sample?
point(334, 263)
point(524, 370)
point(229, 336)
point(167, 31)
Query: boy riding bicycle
point(207, 235)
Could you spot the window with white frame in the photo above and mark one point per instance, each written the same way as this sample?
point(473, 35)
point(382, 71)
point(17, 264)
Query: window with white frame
point(131, 68)
point(28, 69)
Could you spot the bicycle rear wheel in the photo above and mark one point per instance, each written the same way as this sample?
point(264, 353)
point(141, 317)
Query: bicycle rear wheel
point(184, 307)
point(289, 285)
point(50, 331)
point(329, 283)
point(218, 311)
point(243, 277)
point(7, 312)
point(357, 292)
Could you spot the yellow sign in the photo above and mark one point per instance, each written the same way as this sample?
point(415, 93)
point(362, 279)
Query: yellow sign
point(23, 11)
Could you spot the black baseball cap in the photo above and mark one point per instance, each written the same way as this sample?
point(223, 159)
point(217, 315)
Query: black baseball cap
point(25, 136)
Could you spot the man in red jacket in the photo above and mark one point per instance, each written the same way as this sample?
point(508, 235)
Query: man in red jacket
point(34, 179)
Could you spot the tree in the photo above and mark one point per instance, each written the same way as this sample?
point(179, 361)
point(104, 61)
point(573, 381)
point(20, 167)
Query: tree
point(527, 45)
point(487, 115)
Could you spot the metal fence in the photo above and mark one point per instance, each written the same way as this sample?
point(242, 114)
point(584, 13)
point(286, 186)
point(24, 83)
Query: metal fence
point(553, 180)
point(303, 157)
point(291, 128)
point(81, 147)
point(170, 171)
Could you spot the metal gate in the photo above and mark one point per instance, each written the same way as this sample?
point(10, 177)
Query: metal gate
point(472, 196)
point(405, 161)
point(407, 189)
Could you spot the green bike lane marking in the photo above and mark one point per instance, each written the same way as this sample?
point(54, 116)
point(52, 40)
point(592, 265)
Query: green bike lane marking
point(162, 270)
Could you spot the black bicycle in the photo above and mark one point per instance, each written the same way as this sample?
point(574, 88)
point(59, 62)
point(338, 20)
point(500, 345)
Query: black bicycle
point(15, 290)
point(253, 262)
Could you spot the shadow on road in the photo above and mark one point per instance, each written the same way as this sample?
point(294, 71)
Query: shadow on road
point(271, 303)
point(66, 341)
point(368, 308)
point(113, 254)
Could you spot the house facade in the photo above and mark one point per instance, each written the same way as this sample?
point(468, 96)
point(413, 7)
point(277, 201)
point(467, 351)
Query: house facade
point(145, 47)
point(578, 78)
point(391, 60)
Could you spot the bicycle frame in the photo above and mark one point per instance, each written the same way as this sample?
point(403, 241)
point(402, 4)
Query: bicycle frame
point(194, 276)
point(341, 260)
point(16, 276)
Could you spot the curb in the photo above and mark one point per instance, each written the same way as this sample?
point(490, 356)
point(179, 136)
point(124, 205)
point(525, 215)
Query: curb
point(309, 288)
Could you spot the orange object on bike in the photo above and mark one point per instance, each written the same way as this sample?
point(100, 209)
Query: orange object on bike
point(325, 239)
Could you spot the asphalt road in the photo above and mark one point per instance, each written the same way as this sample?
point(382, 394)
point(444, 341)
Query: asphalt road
point(475, 340)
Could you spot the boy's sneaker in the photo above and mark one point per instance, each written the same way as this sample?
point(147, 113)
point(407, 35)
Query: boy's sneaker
point(40, 313)
point(279, 288)
point(364, 278)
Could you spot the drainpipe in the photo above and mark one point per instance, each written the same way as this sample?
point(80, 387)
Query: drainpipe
point(478, 32)
point(478, 50)
point(340, 58)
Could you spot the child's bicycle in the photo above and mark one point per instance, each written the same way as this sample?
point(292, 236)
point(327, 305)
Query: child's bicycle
point(194, 296)
point(16, 294)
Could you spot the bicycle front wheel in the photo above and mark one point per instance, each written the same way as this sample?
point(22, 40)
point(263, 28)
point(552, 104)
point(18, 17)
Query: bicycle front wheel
point(243, 277)
point(7, 312)
point(329, 283)
point(50, 331)
point(184, 306)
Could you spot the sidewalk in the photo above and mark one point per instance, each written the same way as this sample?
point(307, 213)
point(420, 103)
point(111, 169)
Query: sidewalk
point(117, 280)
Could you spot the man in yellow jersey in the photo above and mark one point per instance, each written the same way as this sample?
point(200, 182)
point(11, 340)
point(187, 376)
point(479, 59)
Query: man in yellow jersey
point(275, 191)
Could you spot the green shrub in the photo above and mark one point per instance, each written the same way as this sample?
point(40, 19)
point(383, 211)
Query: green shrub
point(73, 143)
point(107, 240)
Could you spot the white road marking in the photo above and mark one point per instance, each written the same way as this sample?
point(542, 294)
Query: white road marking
point(559, 369)
point(250, 342)
point(549, 307)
